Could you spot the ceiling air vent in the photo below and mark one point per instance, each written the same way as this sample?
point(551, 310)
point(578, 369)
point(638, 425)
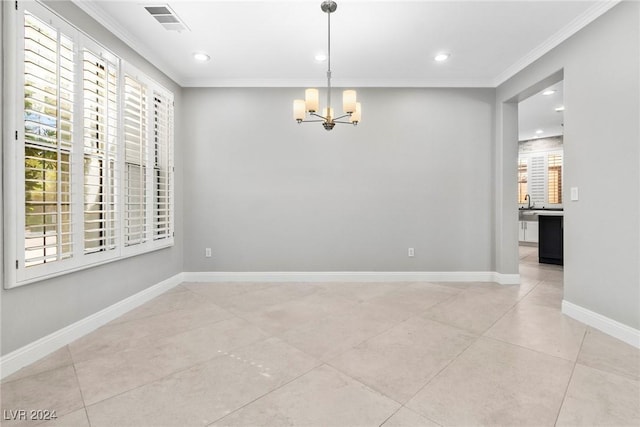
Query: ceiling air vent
point(166, 17)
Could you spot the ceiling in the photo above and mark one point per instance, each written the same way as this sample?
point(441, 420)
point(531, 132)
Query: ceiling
point(374, 43)
point(537, 115)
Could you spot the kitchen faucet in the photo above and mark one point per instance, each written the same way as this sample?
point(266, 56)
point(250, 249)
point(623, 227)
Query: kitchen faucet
point(528, 199)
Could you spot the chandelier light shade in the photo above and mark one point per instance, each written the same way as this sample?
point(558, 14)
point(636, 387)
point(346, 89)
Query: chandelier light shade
point(305, 111)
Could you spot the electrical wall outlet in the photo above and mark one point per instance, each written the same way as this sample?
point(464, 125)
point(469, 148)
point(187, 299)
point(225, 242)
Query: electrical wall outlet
point(411, 252)
point(207, 252)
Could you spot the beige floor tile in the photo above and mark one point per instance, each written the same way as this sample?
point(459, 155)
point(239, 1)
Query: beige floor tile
point(401, 360)
point(606, 353)
point(407, 418)
point(542, 329)
point(57, 359)
point(113, 338)
point(208, 391)
point(474, 310)
point(110, 339)
point(525, 251)
point(495, 383)
point(541, 271)
point(598, 398)
point(53, 390)
point(219, 293)
point(530, 282)
point(323, 397)
point(516, 292)
point(456, 285)
point(334, 334)
point(277, 318)
point(359, 292)
point(545, 294)
point(278, 293)
point(106, 376)
point(183, 359)
point(179, 299)
point(115, 373)
point(75, 419)
point(200, 344)
point(414, 298)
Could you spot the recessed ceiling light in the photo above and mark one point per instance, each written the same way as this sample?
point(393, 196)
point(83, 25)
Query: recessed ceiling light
point(549, 92)
point(539, 131)
point(201, 57)
point(560, 108)
point(441, 57)
point(321, 57)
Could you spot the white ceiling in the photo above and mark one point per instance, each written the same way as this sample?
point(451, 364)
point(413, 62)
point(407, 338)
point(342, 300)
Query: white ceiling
point(538, 113)
point(374, 43)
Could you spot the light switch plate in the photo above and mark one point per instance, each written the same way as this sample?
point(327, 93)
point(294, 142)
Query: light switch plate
point(574, 193)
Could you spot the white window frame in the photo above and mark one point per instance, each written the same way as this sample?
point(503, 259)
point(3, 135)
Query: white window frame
point(149, 242)
point(16, 273)
point(545, 155)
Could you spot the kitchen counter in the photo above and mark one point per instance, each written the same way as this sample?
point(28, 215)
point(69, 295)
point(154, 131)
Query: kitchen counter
point(545, 212)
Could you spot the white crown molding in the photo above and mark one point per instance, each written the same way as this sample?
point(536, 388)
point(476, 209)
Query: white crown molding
point(92, 9)
point(609, 326)
point(567, 31)
point(337, 82)
point(14, 361)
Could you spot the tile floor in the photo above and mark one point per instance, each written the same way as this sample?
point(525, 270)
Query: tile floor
point(340, 354)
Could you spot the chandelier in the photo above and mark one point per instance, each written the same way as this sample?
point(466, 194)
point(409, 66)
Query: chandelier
point(310, 105)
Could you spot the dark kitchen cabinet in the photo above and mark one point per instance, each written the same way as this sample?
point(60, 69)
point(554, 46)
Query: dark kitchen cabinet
point(550, 239)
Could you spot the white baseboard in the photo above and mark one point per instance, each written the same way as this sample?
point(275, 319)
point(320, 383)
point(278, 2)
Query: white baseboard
point(506, 279)
point(609, 326)
point(352, 276)
point(36, 350)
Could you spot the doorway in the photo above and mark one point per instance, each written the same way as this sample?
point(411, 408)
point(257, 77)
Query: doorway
point(540, 166)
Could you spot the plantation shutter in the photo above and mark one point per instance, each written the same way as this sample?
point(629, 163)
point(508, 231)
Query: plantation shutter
point(554, 178)
point(135, 146)
point(537, 180)
point(100, 101)
point(48, 126)
point(163, 165)
point(522, 180)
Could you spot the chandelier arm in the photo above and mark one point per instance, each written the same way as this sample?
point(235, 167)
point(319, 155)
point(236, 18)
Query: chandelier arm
point(343, 116)
point(318, 115)
point(342, 122)
point(313, 121)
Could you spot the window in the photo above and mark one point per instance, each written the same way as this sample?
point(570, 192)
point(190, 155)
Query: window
point(522, 180)
point(48, 126)
point(540, 176)
point(100, 101)
point(135, 147)
point(162, 165)
point(554, 178)
point(92, 158)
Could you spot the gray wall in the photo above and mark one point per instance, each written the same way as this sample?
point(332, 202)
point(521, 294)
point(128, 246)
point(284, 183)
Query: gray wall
point(36, 310)
point(601, 66)
point(267, 194)
point(431, 169)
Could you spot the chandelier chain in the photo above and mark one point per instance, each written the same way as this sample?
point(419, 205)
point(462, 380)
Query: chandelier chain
point(328, 59)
